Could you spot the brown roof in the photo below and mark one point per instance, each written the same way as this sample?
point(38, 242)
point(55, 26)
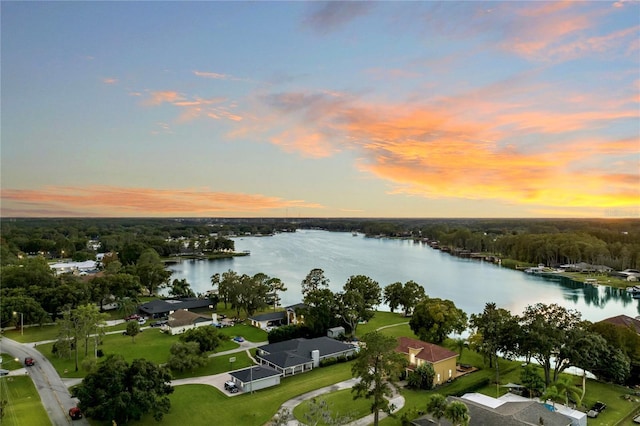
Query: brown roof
point(181, 318)
point(624, 321)
point(430, 352)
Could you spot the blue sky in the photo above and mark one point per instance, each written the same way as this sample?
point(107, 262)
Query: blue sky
point(364, 109)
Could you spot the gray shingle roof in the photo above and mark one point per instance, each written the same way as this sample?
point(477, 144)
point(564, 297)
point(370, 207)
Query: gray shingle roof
point(255, 373)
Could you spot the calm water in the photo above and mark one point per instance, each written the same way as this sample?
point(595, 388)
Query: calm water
point(469, 283)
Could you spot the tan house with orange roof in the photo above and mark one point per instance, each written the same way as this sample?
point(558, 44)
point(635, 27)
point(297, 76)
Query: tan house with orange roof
point(417, 352)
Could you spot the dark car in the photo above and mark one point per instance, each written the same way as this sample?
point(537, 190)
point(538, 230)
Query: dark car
point(75, 413)
point(231, 386)
point(597, 408)
point(159, 323)
point(29, 362)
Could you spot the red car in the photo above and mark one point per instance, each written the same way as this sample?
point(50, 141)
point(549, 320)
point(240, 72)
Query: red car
point(29, 362)
point(132, 317)
point(75, 413)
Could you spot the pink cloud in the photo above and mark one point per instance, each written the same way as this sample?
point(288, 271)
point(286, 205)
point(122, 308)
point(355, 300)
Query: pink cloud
point(120, 201)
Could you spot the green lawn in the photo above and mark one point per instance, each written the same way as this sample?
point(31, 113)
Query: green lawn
point(217, 365)
point(9, 363)
point(380, 319)
point(249, 332)
point(33, 334)
point(341, 404)
point(203, 405)
point(23, 402)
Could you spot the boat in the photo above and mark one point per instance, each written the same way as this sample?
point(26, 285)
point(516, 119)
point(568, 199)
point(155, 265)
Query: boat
point(354, 234)
point(634, 290)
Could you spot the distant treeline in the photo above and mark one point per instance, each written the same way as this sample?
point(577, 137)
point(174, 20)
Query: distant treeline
point(610, 242)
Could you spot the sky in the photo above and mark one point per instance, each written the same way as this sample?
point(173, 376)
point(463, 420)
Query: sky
point(314, 109)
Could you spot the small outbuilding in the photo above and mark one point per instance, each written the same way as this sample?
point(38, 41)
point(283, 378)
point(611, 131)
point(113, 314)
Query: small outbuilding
point(335, 332)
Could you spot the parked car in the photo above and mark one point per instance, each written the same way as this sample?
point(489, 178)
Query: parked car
point(238, 339)
point(75, 413)
point(159, 323)
point(29, 362)
point(597, 408)
point(142, 321)
point(132, 317)
point(231, 386)
point(4, 372)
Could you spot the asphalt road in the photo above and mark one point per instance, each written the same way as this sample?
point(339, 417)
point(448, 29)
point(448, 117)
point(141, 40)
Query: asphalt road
point(53, 392)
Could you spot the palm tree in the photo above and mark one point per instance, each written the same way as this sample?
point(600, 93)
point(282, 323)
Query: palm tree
point(568, 389)
point(458, 413)
point(436, 406)
point(460, 344)
point(551, 393)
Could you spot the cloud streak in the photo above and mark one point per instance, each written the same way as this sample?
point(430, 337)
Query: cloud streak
point(122, 201)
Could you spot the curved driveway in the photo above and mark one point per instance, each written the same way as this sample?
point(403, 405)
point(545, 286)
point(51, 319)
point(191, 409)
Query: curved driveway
point(54, 394)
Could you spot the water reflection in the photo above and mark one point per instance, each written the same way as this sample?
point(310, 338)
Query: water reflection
point(469, 283)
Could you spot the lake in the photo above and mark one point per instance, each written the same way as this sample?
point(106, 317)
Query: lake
point(469, 283)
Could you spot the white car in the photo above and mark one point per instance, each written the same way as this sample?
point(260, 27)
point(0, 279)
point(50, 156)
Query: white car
point(4, 372)
point(142, 321)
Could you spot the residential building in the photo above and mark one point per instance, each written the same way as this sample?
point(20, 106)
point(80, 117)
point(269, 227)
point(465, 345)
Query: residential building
point(255, 378)
point(299, 355)
point(161, 308)
point(417, 352)
point(182, 320)
point(508, 410)
point(289, 316)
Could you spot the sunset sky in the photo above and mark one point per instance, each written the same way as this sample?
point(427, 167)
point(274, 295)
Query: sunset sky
point(310, 109)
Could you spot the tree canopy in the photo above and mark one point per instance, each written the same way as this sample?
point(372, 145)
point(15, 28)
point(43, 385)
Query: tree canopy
point(434, 319)
point(122, 392)
point(377, 365)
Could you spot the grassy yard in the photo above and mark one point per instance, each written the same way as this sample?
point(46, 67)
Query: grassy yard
point(380, 319)
point(33, 334)
point(9, 363)
point(341, 404)
point(249, 332)
point(203, 405)
point(23, 402)
point(217, 365)
point(151, 344)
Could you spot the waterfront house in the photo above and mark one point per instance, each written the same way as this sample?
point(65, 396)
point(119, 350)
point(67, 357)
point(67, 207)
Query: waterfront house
point(183, 320)
point(161, 308)
point(417, 352)
point(289, 316)
point(299, 355)
point(624, 321)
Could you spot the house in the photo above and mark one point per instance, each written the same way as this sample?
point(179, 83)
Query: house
point(75, 268)
point(255, 378)
point(183, 320)
point(161, 308)
point(299, 355)
point(289, 316)
point(624, 321)
point(417, 352)
point(508, 410)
